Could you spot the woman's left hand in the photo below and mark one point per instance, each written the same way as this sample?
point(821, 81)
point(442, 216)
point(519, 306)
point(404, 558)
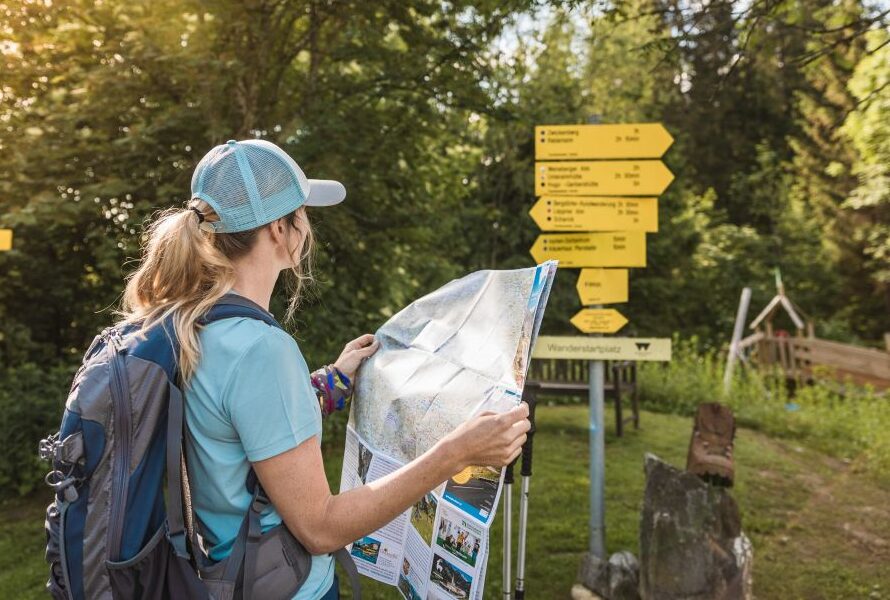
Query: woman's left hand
point(355, 352)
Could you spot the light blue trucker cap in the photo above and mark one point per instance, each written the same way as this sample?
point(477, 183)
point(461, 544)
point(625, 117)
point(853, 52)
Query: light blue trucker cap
point(252, 182)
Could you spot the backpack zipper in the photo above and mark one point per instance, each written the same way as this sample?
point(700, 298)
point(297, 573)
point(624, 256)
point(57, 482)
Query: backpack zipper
point(120, 472)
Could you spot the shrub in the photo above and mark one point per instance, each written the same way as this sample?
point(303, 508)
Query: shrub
point(32, 399)
point(849, 422)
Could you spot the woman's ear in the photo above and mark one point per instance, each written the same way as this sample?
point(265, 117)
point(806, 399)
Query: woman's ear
point(278, 231)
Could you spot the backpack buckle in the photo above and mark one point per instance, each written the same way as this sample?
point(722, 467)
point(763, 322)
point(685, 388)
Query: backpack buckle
point(62, 484)
point(259, 503)
point(70, 450)
point(46, 449)
point(177, 540)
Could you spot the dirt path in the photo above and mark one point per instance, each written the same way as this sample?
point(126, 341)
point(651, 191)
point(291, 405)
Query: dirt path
point(833, 534)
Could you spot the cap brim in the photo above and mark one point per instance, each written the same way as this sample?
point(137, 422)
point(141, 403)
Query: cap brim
point(325, 192)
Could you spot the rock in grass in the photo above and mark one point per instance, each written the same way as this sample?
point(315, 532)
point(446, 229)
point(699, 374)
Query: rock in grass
point(615, 579)
point(691, 541)
point(579, 592)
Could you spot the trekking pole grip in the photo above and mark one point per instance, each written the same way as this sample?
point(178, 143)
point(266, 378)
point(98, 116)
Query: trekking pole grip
point(530, 439)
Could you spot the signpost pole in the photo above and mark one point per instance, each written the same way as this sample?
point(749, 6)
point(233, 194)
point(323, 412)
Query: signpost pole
point(597, 543)
point(597, 188)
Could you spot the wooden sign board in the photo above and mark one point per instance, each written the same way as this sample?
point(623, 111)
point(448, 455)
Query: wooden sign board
point(628, 140)
point(608, 348)
point(5, 239)
point(602, 178)
point(614, 249)
point(595, 213)
point(602, 286)
point(599, 320)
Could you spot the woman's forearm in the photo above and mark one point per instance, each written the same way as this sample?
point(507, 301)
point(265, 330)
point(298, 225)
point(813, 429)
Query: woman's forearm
point(359, 511)
point(295, 480)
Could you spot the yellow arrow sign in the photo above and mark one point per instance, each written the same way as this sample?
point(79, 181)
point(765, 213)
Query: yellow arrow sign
point(5, 239)
point(602, 286)
point(610, 348)
point(614, 249)
point(599, 320)
point(595, 213)
point(604, 177)
point(630, 140)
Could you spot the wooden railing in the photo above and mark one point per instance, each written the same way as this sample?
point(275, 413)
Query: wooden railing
point(572, 378)
point(807, 359)
point(578, 371)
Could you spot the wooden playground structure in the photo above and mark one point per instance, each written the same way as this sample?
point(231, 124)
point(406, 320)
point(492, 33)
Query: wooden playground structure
point(802, 356)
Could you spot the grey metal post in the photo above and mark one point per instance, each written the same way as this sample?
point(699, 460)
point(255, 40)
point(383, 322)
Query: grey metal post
point(741, 315)
point(597, 542)
point(508, 532)
point(530, 397)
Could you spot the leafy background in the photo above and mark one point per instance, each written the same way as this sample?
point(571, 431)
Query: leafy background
point(425, 110)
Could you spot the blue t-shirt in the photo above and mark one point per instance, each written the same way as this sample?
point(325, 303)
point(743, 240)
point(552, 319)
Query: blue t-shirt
point(250, 399)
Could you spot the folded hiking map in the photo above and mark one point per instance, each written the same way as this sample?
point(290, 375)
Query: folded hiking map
point(457, 351)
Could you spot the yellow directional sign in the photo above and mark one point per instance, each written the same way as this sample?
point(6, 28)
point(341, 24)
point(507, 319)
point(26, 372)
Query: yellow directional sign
point(5, 239)
point(614, 249)
point(602, 178)
point(630, 140)
point(602, 286)
point(599, 320)
point(595, 213)
point(610, 348)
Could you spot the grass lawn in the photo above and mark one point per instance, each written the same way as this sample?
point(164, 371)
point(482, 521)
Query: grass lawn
point(821, 530)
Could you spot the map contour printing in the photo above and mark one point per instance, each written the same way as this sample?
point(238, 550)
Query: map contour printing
point(457, 351)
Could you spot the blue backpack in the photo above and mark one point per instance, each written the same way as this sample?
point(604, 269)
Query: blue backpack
point(111, 530)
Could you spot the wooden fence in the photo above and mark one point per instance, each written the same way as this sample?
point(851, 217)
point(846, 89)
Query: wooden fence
point(561, 377)
point(806, 359)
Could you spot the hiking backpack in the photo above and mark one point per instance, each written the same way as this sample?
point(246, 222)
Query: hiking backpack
point(111, 531)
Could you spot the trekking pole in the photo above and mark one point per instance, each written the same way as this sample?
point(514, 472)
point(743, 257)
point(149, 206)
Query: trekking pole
point(508, 533)
point(526, 472)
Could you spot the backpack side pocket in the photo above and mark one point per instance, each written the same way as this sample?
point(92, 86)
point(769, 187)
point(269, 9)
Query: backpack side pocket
point(155, 573)
point(58, 583)
point(282, 564)
point(282, 567)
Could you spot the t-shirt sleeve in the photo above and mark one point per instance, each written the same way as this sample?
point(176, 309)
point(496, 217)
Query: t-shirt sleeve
point(269, 397)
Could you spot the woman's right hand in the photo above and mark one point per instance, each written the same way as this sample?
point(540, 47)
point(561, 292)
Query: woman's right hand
point(489, 439)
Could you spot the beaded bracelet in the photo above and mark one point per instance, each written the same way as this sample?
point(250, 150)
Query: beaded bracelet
point(332, 388)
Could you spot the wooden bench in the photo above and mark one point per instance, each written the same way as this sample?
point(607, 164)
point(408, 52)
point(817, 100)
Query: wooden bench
point(570, 378)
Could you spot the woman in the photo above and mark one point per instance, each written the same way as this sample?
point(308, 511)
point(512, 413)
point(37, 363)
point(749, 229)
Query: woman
point(248, 391)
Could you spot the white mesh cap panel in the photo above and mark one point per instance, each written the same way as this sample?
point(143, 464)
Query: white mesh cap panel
point(279, 190)
point(303, 182)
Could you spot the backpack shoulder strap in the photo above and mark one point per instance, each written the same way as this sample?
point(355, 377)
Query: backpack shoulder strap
point(228, 306)
point(234, 305)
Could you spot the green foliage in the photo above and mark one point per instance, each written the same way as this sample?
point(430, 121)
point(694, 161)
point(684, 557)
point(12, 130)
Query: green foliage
point(32, 399)
point(425, 110)
point(848, 423)
point(868, 130)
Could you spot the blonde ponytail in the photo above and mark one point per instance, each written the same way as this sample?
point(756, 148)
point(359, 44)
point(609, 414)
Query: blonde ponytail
point(186, 268)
